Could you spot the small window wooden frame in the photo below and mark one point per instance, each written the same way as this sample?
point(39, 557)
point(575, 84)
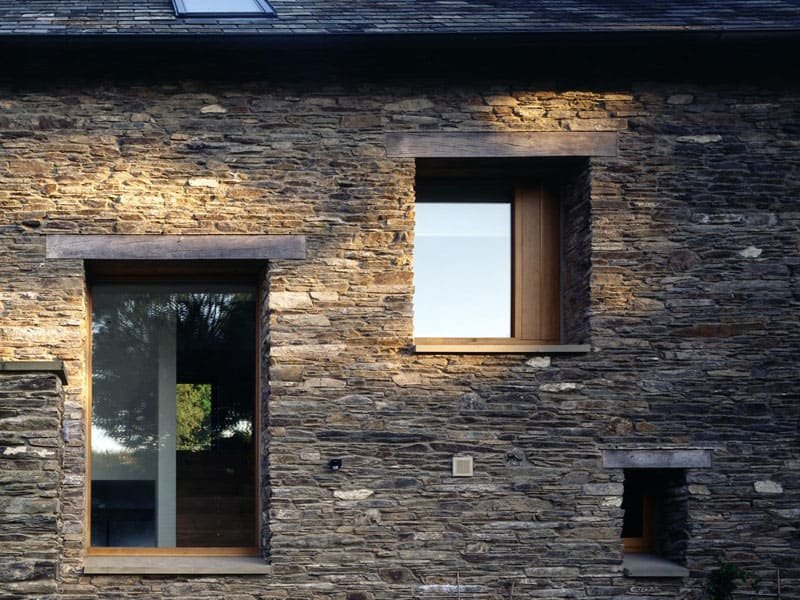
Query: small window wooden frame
point(536, 274)
point(212, 272)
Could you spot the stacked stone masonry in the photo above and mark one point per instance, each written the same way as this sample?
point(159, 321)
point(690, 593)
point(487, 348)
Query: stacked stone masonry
point(690, 306)
point(30, 474)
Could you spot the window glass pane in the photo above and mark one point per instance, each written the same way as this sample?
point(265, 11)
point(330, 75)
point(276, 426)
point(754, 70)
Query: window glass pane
point(173, 389)
point(222, 6)
point(462, 269)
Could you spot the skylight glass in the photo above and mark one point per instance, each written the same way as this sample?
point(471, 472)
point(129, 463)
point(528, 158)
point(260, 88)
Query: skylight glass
point(222, 8)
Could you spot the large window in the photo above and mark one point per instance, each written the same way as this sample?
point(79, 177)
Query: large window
point(173, 420)
point(487, 262)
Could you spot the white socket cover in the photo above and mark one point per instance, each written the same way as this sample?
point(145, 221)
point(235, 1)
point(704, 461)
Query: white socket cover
point(462, 466)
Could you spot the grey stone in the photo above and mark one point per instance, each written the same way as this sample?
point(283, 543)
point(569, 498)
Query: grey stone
point(657, 458)
point(645, 565)
point(768, 487)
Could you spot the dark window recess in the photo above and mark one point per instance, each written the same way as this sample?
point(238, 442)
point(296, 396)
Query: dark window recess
point(655, 513)
point(223, 8)
point(633, 504)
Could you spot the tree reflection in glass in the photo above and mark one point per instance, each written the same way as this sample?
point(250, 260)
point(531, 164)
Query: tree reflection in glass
point(173, 388)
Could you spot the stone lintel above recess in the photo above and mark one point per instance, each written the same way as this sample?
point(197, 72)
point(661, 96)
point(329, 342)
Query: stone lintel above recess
point(501, 144)
point(648, 565)
point(176, 247)
point(56, 367)
point(175, 565)
point(656, 459)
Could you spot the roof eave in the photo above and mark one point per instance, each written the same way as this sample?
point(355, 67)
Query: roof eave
point(684, 35)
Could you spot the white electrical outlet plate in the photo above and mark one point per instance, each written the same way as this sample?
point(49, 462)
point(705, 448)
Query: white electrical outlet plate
point(462, 466)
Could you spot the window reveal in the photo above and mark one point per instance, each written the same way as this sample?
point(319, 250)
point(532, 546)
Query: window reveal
point(655, 513)
point(173, 411)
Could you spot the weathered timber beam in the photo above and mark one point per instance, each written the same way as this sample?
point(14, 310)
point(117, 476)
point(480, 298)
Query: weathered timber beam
point(176, 247)
point(501, 144)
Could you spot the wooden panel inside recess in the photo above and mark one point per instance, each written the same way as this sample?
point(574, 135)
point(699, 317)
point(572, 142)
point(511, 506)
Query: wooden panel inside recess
point(537, 265)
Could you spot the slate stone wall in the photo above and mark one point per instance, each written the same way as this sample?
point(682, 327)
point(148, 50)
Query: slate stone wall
point(690, 307)
point(30, 485)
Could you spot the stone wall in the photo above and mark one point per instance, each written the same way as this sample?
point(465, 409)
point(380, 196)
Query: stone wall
point(30, 484)
point(691, 310)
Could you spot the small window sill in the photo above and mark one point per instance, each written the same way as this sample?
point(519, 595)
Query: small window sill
point(457, 346)
point(649, 565)
point(175, 565)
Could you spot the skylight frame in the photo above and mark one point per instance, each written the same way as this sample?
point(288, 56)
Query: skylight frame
point(266, 10)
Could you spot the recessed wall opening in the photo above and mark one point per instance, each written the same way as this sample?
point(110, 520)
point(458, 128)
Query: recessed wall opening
point(174, 419)
point(502, 251)
point(655, 505)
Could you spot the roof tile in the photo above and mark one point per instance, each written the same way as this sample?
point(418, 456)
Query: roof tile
point(113, 17)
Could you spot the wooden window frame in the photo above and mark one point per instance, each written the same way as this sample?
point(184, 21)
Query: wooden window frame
point(536, 264)
point(216, 272)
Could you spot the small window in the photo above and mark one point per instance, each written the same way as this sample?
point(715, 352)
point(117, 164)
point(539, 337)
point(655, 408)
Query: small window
point(487, 262)
point(655, 512)
point(223, 8)
point(639, 504)
point(173, 419)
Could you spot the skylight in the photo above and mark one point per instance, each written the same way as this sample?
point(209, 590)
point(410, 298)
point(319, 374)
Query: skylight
point(223, 8)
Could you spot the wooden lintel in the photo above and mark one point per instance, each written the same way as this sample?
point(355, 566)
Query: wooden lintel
point(176, 247)
point(501, 144)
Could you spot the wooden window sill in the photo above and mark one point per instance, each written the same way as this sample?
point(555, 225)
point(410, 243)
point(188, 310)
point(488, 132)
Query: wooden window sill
point(494, 346)
point(175, 565)
point(650, 565)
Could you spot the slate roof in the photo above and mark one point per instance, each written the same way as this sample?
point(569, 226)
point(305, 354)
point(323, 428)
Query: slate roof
point(156, 17)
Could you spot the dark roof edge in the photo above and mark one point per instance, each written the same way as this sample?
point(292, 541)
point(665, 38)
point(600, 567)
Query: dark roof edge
point(311, 40)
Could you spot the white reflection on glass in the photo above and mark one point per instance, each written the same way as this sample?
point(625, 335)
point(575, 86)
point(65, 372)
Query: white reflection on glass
point(462, 269)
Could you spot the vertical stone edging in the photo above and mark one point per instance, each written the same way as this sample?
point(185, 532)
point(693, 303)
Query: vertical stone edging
point(31, 452)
